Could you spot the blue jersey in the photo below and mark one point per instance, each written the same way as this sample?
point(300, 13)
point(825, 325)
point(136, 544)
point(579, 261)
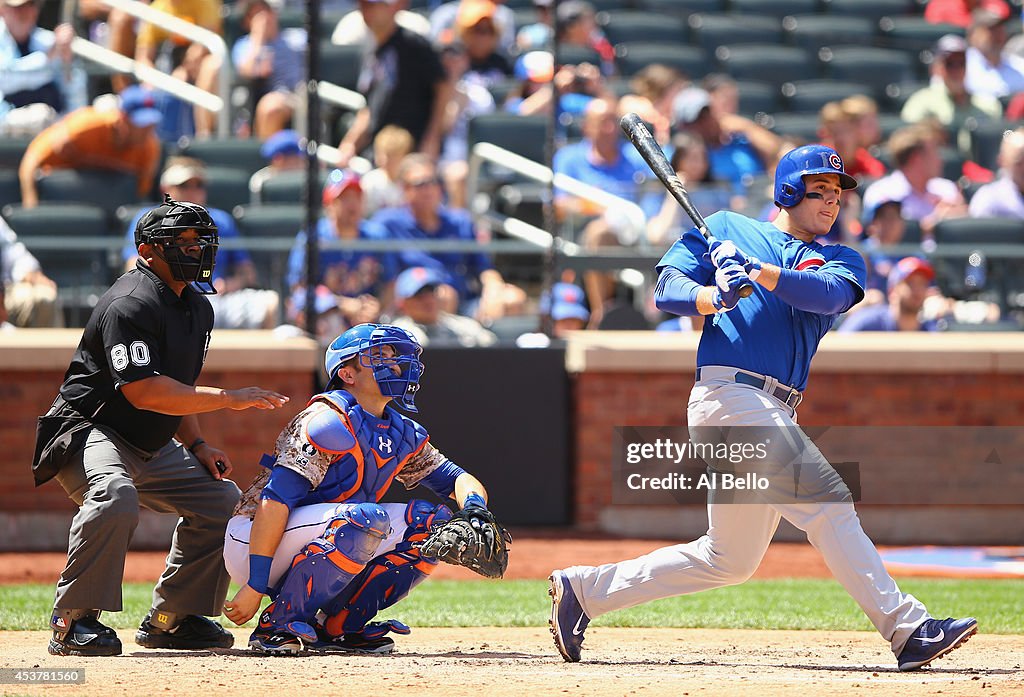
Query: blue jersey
point(762, 333)
point(346, 272)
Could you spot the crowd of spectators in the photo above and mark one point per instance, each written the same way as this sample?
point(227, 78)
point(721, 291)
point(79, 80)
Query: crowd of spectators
point(425, 77)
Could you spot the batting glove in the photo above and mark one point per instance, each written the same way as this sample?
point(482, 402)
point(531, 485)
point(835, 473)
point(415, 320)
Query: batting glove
point(728, 281)
point(722, 253)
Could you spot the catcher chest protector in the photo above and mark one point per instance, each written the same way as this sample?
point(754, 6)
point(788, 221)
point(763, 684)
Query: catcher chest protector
point(389, 577)
point(384, 446)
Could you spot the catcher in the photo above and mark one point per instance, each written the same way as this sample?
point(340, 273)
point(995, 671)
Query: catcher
point(310, 532)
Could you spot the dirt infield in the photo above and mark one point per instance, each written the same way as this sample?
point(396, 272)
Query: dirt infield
point(500, 662)
point(532, 557)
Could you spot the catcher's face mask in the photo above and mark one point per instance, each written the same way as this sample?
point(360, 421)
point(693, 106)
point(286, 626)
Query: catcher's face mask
point(397, 369)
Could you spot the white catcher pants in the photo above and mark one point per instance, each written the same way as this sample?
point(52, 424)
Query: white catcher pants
point(305, 524)
point(738, 534)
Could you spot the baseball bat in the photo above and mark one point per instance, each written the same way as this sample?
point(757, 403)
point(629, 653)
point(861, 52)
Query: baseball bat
point(655, 158)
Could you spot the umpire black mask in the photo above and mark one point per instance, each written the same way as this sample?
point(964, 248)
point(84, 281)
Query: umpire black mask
point(161, 227)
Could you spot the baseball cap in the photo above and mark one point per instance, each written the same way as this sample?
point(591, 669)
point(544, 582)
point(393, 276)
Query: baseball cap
point(571, 11)
point(139, 104)
point(989, 15)
point(472, 12)
point(872, 210)
point(565, 301)
point(413, 280)
point(337, 181)
point(180, 172)
point(950, 43)
point(688, 105)
point(535, 66)
point(323, 300)
point(906, 267)
point(286, 142)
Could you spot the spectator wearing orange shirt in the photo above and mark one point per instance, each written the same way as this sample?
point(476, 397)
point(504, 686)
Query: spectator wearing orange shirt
point(121, 140)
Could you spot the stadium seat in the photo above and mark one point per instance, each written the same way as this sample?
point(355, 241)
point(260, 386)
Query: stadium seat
point(81, 274)
point(980, 231)
point(877, 67)
point(340, 64)
point(757, 97)
point(773, 8)
point(952, 163)
point(227, 187)
point(987, 138)
point(684, 8)
point(871, 9)
point(767, 62)
point(242, 153)
point(711, 30)
point(287, 187)
point(102, 188)
point(275, 220)
point(811, 95)
point(811, 32)
point(690, 60)
point(913, 33)
point(10, 187)
point(574, 55)
point(802, 126)
point(11, 150)
point(629, 27)
point(524, 135)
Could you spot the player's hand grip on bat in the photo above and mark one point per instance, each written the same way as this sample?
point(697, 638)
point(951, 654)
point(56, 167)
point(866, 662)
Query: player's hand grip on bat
point(633, 126)
point(719, 253)
point(730, 279)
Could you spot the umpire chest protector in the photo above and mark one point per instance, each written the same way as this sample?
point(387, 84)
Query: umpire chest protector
point(362, 471)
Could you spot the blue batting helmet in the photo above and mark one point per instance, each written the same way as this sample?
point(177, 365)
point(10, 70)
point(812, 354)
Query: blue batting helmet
point(367, 341)
point(798, 163)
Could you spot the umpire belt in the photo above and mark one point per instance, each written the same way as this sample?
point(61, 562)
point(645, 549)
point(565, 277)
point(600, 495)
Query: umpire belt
point(789, 396)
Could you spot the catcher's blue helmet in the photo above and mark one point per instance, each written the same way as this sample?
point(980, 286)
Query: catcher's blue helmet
point(366, 341)
point(798, 163)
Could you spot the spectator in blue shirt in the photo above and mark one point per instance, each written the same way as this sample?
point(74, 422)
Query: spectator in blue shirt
point(909, 284)
point(273, 60)
point(38, 77)
point(362, 281)
point(602, 159)
point(477, 288)
point(737, 147)
point(239, 302)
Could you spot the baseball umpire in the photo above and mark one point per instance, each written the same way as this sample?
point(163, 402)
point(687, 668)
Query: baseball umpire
point(752, 368)
point(310, 532)
point(107, 439)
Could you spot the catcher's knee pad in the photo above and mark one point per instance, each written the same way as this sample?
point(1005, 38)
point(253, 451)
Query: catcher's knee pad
point(389, 577)
point(328, 564)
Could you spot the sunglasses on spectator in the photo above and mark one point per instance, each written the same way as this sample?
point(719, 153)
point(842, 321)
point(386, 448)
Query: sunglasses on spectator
point(420, 183)
point(956, 62)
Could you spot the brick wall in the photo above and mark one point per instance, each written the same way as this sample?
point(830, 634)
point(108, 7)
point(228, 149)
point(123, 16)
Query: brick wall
point(886, 380)
point(32, 367)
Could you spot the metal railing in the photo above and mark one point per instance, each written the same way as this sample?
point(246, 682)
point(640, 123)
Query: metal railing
point(535, 171)
point(213, 43)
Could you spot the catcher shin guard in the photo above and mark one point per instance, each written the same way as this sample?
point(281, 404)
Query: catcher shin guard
point(389, 577)
point(322, 570)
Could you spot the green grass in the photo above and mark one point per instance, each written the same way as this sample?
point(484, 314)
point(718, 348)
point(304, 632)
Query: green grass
point(771, 604)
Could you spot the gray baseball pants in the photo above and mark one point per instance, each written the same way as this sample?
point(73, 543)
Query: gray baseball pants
point(109, 479)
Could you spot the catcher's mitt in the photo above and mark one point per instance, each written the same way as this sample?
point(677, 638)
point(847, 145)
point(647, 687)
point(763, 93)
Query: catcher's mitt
point(472, 538)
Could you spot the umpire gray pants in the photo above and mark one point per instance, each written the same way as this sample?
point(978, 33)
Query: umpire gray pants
point(109, 479)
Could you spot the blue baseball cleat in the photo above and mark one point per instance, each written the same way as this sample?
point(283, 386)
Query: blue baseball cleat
point(935, 638)
point(568, 620)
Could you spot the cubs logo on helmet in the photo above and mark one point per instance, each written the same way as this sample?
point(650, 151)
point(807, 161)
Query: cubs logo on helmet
point(790, 187)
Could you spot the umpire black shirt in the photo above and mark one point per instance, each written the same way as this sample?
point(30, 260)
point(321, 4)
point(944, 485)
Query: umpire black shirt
point(139, 328)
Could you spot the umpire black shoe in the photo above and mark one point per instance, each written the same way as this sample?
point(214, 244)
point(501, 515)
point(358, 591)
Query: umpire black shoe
point(86, 636)
point(193, 632)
